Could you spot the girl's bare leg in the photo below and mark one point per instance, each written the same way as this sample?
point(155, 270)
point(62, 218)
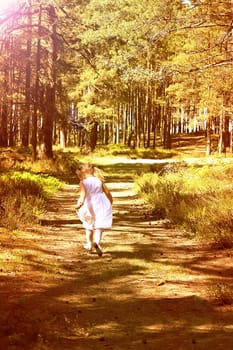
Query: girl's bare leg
point(98, 235)
point(97, 239)
point(89, 239)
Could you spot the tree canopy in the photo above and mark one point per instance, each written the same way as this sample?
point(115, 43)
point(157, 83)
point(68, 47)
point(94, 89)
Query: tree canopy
point(104, 71)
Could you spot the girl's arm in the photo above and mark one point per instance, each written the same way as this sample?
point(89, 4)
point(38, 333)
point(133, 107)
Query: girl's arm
point(82, 195)
point(107, 192)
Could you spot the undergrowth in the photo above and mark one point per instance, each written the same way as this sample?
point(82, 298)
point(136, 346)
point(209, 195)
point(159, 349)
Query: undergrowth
point(118, 150)
point(64, 163)
point(23, 195)
point(198, 199)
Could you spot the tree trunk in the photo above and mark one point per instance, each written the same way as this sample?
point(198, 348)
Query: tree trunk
point(167, 128)
point(149, 115)
point(50, 108)
point(3, 129)
point(231, 135)
point(37, 86)
point(48, 123)
point(4, 113)
point(26, 114)
point(222, 134)
point(208, 138)
point(62, 138)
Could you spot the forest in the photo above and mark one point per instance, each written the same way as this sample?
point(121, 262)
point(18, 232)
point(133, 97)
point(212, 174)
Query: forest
point(89, 72)
point(142, 90)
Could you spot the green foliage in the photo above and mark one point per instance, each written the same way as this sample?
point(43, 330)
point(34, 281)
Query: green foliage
point(23, 196)
point(158, 153)
point(198, 199)
point(138, 152)
point(113, 150)
point(64, 163)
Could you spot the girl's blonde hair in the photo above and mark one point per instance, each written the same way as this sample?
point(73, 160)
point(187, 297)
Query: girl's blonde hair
point(86, 169)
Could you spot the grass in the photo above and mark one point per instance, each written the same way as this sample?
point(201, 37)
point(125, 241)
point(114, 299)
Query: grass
point(23, 196)
point(197, 199)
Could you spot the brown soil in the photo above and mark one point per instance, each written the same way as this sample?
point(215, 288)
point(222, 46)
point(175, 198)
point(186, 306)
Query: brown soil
point(153, 288)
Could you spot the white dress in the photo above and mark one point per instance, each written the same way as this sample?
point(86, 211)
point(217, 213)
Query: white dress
point(96, 211)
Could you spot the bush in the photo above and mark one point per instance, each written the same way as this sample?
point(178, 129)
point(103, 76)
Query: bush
point(198, 199)
point(23, 197)
point(64, 163)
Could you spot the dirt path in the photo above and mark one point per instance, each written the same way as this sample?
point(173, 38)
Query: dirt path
point(152, 289)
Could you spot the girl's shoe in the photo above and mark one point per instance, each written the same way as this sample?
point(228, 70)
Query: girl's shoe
point(88, 247)
point(98, 249)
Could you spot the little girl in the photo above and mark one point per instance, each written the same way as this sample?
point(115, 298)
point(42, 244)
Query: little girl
point(94, 205)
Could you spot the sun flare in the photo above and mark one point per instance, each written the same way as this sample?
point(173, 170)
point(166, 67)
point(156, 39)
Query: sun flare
point(7, 5)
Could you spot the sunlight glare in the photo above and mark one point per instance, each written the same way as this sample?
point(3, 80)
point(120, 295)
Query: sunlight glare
point(187, 2)
point(6, 5)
